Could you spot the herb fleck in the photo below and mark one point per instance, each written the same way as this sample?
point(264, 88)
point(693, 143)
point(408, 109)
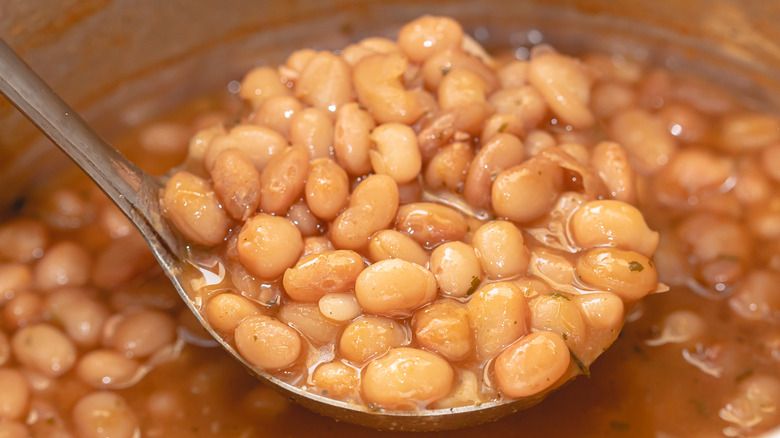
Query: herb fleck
point(445, 70)
point(560, 295)
point(580, 364)
point(347, 29)
point(255, 336)
point(744, 375)
point(701, 408)
point(618, 425)
point(503, 127)
point(635, 266)
point(565, 336)
point(474, 285)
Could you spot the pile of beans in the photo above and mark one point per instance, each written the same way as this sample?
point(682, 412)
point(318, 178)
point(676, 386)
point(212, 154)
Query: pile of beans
point(389, 238)
point(95, 342)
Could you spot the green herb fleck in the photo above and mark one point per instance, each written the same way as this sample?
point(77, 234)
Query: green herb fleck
point(324, 392)
point(650, 263)
point(744, 375)
point(445, 70)
point(580, 364)
point(503, 127)
point(560, 295)
point(494, 217)
point(635, 266)
point(618, 426)
point(565, 336)
point(474, 285)
point(362, 108)
point(728, 257)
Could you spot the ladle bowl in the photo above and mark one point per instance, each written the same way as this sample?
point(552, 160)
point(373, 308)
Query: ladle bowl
point(136, 193)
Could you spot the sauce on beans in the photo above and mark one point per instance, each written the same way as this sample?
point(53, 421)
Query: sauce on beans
point(547, 197)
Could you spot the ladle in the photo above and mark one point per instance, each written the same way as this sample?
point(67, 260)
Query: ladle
point(136, 194)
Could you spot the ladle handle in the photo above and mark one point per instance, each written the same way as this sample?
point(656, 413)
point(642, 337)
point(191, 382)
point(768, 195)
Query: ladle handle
point(131, 189)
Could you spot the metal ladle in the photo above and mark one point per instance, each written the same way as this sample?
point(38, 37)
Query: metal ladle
point(136, 193)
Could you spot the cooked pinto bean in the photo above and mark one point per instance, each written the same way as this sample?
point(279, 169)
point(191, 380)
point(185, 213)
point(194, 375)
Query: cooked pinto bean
point(430, 224)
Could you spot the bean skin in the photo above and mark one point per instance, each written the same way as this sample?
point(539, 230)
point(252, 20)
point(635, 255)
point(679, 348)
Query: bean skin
point(267, 343)
point(501, 152)
point(104, 414)
point(612, 223)
point(258, 143)
point(317, 275)
point(326, 189)
point(371, 208)
point(430, 224)
point(648, 143)
point(236, 184)
point(225, 311)
point(532, 364)
point(44, 349)
point(325, 82)
point(15, 395)
point(307, 319)
point(457, 268)
point(449, 167)
point(394, 287)
point(526, 192)
point(191, 204)
point(610, 161)
point(565, 86)
point(628, 274)
point(351, 141)
point(268, 245)
point(370, 336)
point(501, 250)
point(443, 327)
point(391, 244)
point(262, 83)
point(396, 153)
point(283, 180)
point(424, 36)
point(498, 313)
point(406, 378)
point(379, 88)
point(313, 129)
point(336, 379)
